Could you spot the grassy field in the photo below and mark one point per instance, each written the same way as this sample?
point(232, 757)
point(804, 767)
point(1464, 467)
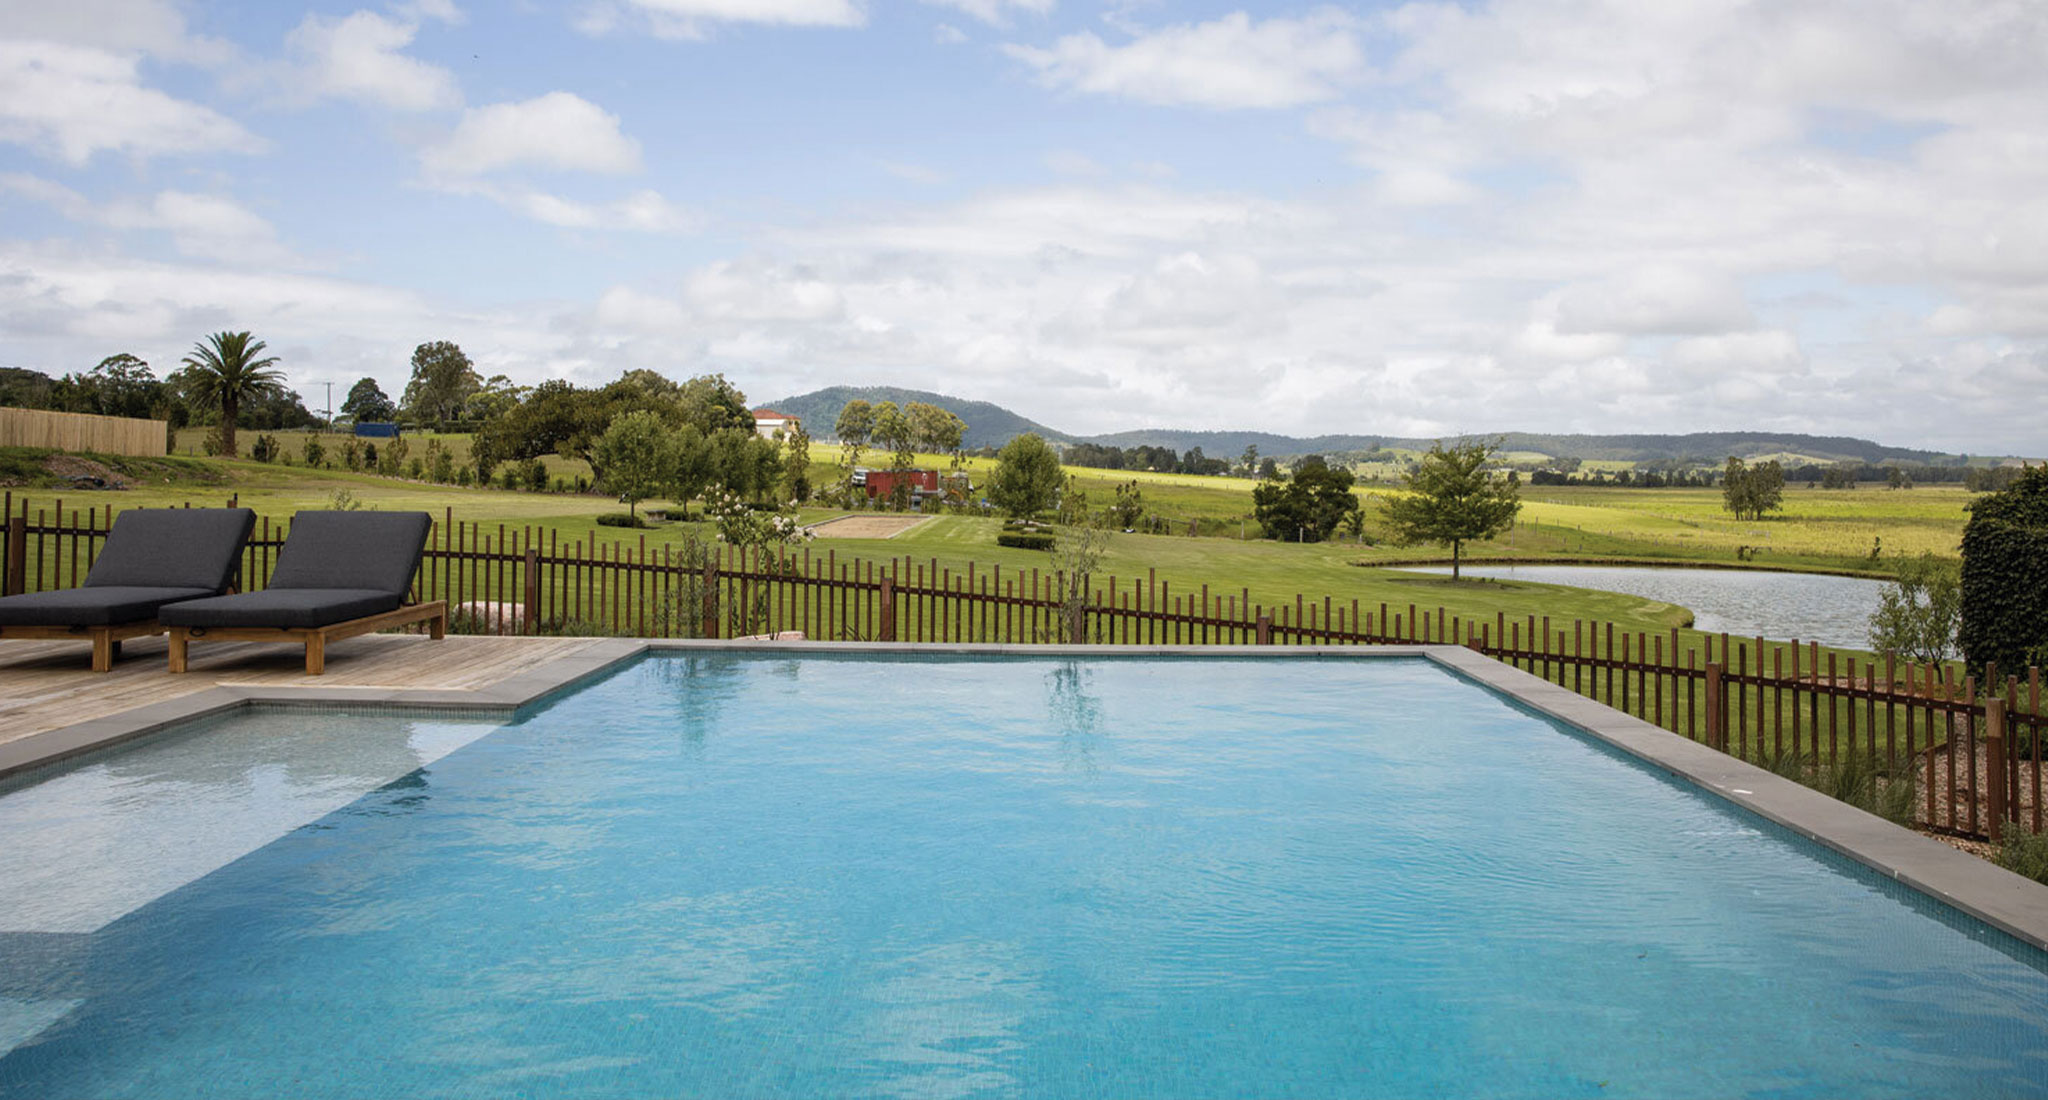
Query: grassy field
point(1817, 529)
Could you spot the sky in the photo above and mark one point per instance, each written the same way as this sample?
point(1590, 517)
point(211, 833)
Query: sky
point(1411, 219)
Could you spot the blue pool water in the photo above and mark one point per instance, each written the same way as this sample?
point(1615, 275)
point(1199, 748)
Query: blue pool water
point(747, 875)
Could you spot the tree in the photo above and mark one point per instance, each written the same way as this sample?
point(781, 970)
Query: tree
point(935, 429)
point(1308, 506)
point(1250, 460)
point(442, 382)
point(121, 385)
point(693, 472)
point(712, 404)
point(1128, 507)
point(894, 430)
point(1452, 500)
point(366, 401)
point(1750, 491)
point(638, 456)
point(553, 418)
point(797, 463)
point(1917, 613)
point(2005, 576)
point(1027, 476)
point(224, 369)
point(855, 426)
point(497, 397)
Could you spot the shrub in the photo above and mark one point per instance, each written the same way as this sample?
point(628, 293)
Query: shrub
point(509, 480)
point(534, 474)
point(1027, 540)
point(315, 452)
point(1917, 613)
point(416, 469)
point(2024, 853)
point(2005, 575)
point(620, 519)
point(266, 449)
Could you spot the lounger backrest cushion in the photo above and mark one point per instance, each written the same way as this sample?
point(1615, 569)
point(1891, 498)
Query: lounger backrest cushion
point(374, 550)
point(173, 548)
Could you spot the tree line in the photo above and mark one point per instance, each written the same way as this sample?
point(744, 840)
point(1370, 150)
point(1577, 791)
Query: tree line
point(225, 383)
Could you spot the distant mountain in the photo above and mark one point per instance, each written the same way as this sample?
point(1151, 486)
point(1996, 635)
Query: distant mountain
point(988, 425)
point(992, 425)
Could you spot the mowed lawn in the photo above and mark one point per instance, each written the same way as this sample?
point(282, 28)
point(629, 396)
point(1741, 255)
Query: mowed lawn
point(1817, 529)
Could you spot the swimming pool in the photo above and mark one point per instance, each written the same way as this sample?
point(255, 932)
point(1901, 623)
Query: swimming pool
point(759, 875)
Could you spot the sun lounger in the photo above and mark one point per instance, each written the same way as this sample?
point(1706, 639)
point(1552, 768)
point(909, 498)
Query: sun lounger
point(153, 557)
point(339, 574)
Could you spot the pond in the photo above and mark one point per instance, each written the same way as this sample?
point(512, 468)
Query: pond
point(1812, 607)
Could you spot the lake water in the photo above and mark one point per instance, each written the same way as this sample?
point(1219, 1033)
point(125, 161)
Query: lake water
point(1834, 611)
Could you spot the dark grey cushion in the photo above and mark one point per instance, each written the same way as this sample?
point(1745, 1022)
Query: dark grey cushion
point(281, 607)
point(376, 550)
point(100, 605)
point(173, 548)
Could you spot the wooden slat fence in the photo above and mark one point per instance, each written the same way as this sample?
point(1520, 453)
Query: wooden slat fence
point(110, 435)
point(1973, 750)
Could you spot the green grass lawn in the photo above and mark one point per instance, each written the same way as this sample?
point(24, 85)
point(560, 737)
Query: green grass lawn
point(1817, 529)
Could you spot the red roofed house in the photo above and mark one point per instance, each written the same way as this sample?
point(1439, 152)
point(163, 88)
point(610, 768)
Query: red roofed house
point(768, 423)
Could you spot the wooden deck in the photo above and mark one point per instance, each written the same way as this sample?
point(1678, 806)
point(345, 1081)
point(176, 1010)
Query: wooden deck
point(47, 685)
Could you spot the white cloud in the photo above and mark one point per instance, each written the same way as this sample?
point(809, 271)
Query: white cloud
point(690, 19)
point(359, 57)
point(945, 34)
point(996, 12)
point(642, 211)
point(417, 11)
point(155, 27)
point(559, 131)
point(74, 101)
point(201, 226)
point(1653, 300)
point(1230, 63)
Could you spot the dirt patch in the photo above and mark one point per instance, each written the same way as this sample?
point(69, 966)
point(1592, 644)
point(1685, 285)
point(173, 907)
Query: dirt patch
point(866, 527)
point(73, 472)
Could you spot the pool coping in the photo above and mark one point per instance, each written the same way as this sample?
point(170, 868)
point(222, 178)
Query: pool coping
point(2014, 905)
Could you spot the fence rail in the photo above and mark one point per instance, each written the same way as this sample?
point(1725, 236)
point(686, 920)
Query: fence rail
point(1969, 751)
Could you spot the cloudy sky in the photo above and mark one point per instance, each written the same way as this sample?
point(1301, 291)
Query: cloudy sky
point(1546, 215)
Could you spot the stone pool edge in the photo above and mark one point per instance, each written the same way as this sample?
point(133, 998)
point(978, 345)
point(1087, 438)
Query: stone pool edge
point(1999, 898)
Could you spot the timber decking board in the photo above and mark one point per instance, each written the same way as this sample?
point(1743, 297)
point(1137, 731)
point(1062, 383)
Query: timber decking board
point(48, 685)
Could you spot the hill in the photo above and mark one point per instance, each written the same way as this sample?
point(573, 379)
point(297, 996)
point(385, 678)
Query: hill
point(992, 425)
point(988, 425)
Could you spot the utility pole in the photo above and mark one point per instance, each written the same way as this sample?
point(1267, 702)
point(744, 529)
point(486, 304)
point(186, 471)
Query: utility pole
point(330, 405)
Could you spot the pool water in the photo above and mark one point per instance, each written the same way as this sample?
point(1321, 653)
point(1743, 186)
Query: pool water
point(746, 875)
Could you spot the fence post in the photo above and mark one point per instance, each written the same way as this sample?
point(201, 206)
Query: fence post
point(887, 631)
point(17, 555)
point(1265, 634)
point(532, 589)
point(1996, 764)
point(710, 596)
point(1717, 717)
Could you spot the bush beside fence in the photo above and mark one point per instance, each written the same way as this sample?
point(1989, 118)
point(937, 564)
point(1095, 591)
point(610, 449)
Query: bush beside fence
point(1972, 750)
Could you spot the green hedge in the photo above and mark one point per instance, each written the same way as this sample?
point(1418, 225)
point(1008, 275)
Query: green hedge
point(1026, 540)
point(2005, 576)
point(620, 519)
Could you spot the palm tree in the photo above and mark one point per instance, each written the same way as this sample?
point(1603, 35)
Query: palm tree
point(224, 368)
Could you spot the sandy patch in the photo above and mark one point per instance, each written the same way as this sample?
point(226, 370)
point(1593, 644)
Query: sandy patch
point(866, 527)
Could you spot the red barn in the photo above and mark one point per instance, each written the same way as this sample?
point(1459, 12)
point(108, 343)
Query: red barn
point(881, 483)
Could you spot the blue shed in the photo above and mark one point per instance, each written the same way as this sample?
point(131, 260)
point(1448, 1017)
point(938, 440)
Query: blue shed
point(377, 429)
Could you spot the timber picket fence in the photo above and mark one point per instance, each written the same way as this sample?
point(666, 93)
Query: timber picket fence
point(1972, 749)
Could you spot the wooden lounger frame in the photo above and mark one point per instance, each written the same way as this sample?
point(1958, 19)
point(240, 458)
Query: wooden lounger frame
point(106, 640)
point(315, 638)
